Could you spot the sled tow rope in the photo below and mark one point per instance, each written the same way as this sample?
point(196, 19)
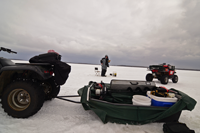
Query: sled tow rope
point(62, 98)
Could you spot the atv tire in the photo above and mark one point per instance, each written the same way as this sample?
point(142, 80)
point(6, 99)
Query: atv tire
point(164, 79)
point(175, 79)
point(51, 90)
point(149, 77)
point(22, 99)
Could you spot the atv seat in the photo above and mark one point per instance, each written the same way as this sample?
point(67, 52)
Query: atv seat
point(5, 62)
point(97, 72)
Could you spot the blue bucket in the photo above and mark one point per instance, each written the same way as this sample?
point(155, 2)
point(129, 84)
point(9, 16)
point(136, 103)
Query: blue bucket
point(162, 104)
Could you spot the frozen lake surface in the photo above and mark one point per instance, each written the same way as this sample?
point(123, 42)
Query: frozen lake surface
point(57, 116)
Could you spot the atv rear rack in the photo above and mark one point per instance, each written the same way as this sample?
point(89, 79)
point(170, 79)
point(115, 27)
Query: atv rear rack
point(34, 64)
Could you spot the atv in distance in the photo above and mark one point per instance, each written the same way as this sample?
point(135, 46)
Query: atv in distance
point(163, 73)
point(25, 86)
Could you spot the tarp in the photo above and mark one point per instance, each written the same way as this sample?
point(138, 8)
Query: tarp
point(132, 114)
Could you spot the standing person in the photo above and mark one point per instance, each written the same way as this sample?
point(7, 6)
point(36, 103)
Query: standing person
point(104, 64)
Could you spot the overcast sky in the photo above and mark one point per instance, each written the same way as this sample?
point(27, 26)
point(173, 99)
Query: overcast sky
point(130, 32)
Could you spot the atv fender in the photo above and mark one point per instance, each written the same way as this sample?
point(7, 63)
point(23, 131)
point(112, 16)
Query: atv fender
point(7, 73)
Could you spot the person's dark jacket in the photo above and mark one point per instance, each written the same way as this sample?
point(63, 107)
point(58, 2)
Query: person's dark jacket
point(104, 62)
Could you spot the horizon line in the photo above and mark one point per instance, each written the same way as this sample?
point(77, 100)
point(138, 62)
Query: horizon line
point(121, 65)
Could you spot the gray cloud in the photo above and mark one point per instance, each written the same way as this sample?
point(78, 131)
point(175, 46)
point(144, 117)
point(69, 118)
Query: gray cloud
point(130, 32)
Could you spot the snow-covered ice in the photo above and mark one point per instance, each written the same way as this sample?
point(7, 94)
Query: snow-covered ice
point(58, 116)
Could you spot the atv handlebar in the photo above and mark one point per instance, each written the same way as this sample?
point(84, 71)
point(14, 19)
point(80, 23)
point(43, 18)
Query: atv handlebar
point(7, 50)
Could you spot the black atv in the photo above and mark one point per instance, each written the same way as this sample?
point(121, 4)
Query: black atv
point(163, 73)
point(25, 86)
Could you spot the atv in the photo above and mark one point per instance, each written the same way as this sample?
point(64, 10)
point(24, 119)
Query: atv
point(163, 73)
point(25, 86)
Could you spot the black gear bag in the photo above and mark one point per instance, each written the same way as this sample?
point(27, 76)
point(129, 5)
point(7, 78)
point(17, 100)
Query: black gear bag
point(61, 69)
point(176, 127)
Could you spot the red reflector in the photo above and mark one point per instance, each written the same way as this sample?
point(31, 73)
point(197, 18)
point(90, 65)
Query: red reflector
point(50, 72)
point(46, 71)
